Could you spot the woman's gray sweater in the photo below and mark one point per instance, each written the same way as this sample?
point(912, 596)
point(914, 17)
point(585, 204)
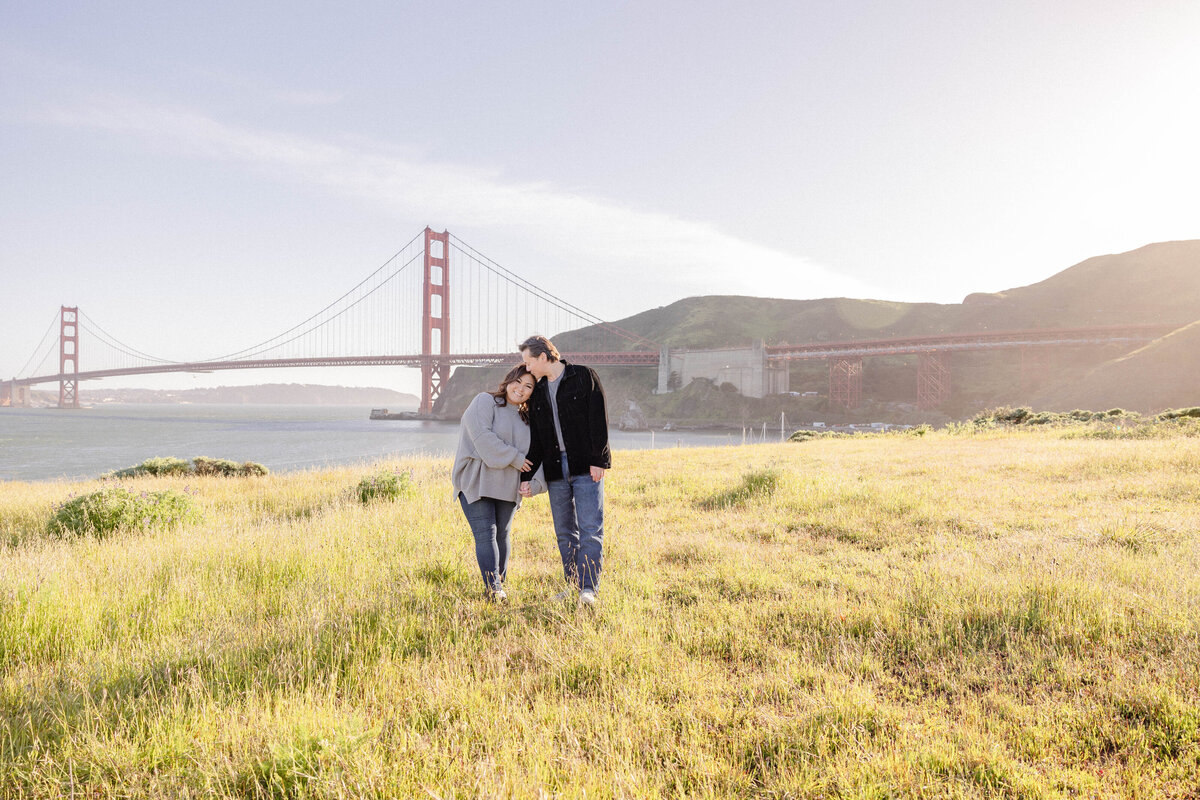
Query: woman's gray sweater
point(492, 443)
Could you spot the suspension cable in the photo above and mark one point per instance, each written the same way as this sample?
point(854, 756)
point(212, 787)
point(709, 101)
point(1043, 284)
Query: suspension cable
point(512, 277)
point(261, 348)
point(46, 355)
point(258, 347)
point(551, 298)
point(93, 327)
point(38, 348)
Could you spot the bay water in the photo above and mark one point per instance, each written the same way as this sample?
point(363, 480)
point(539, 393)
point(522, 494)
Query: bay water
point(51, 443)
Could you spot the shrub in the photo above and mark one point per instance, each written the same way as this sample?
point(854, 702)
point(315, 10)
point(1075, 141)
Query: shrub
point(1180, 413)
point(200, 465)
point(155, 466)
point(226, 468)
point(1025, 416)
point(385, 486)
point(215, 466)
point(1005, 414)
point(113, 508)
point(805, 435)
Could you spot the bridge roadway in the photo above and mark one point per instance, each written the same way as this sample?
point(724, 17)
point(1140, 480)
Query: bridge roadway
point(985, 340)
point(981, 340)
point(634, 358)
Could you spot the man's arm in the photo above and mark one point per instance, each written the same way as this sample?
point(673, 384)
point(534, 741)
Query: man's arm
point(601, 458)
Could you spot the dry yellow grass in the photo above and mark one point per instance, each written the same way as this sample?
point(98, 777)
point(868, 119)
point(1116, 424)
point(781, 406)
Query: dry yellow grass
point(1003, 615)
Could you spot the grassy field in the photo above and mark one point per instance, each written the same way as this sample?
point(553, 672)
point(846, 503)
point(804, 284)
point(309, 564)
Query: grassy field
point(968, 616)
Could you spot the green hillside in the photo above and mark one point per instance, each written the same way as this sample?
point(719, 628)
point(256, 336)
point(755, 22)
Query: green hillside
point(729, 321)
point(1163, 374)
point(1155, 283)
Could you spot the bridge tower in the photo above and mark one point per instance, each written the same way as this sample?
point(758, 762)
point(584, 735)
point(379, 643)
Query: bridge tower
point(845, 382)
point(933, 379)
point(68, 357)
point(435, 325)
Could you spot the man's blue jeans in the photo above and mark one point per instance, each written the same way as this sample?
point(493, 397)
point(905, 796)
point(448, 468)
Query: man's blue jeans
point(490, 521)
point(577, 505)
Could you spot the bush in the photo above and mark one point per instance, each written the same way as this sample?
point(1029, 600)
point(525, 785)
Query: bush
point(155, 466)
point(1180, 413)
point(385, 486)
point(806, 435)
point(1025, 416)
point(1006, 415)
point(215, 466)
point(113, 508)
point(227, 468)
point(198, 466)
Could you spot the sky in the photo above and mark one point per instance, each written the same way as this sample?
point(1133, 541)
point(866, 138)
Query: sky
point(200, 177)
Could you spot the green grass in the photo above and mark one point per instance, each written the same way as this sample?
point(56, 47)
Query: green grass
point(1005, 614)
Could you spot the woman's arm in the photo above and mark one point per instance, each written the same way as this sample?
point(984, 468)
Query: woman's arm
point(534, 456)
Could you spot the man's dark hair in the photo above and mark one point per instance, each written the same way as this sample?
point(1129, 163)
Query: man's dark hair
point(540, 345)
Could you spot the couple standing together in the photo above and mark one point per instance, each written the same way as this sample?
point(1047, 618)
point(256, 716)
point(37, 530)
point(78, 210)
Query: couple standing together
point(547, 418)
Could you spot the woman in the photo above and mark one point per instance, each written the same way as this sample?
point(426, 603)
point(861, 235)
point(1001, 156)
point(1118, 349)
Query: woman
point(492, 444)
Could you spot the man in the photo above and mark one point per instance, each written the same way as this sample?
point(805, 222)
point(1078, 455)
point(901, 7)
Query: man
point(568, 425)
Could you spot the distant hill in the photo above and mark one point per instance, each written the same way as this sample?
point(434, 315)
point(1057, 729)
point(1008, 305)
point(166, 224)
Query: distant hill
point(1156, 283)
point(1163, 374)
point(728, 320)
point(263, 394)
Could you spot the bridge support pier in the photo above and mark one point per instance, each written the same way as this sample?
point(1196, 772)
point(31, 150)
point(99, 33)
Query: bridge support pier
point(845, 382)
point(933, 379)
point(68, 357)
point(13, 394)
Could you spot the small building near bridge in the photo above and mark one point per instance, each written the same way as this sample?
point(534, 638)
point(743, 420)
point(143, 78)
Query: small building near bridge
point(746, 368)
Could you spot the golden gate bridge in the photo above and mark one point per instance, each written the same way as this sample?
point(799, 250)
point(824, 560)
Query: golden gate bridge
point(401, 314)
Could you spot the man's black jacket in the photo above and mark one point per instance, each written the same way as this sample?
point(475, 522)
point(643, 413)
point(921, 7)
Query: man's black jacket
point(584, 419)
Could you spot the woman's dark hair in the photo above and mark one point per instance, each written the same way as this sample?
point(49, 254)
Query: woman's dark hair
point(500, 394)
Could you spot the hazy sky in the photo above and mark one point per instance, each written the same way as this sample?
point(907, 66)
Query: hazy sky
point(198, 177)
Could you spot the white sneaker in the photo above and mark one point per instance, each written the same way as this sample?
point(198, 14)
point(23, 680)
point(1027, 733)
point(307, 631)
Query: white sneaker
point(499, 596)
point(587, 597)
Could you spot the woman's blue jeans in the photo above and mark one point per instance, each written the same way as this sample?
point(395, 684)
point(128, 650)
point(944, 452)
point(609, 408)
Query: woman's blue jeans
point(490, 521)
point(577, 506)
